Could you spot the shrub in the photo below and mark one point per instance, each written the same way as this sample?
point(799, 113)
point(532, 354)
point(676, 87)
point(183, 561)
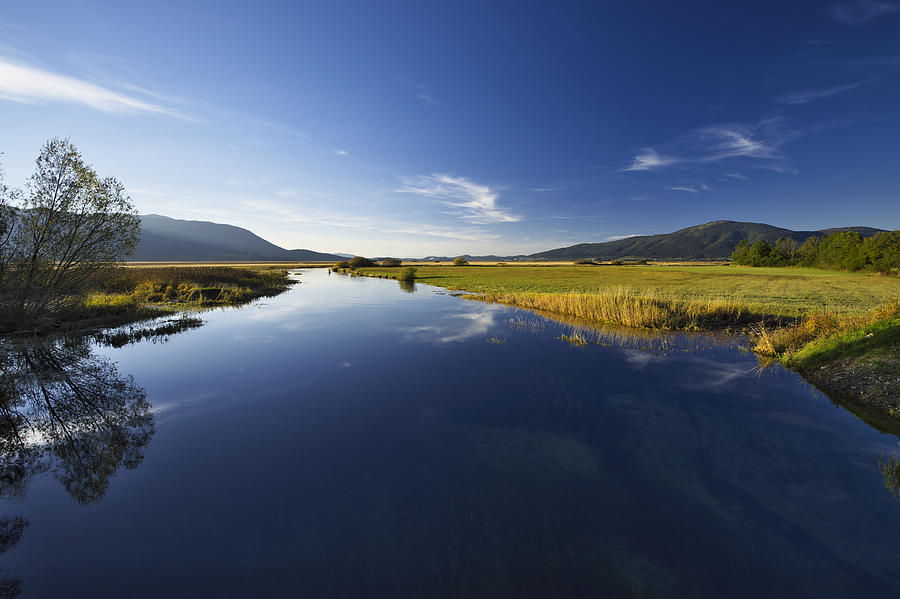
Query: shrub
point(360, 262)
point(460, 261)
point(341, 264)
point(585, 261)
point(843, 250)
point(407, 274)
point(618, 262)
point(391, 262)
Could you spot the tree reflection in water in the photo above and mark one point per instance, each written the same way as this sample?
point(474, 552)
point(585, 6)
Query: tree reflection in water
point(67, 411)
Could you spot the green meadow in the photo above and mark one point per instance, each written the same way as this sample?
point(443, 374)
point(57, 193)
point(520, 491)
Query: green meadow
point(776, 292)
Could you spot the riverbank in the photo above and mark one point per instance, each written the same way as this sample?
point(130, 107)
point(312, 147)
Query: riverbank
point(839, 330)
point(854, 359)
point(118, 296)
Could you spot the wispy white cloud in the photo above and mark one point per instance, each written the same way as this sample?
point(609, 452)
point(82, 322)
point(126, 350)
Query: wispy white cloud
point(618, 237)
point(470, 201)
point(281, 214)
point(860, 12)
point(288, 213)
point(424, 95)
point(341, 153)
point(649, 159)
point(732, 141)
point(691, 188)
point(810, 95)
point(759, 144)
point(428, 99)
point(27, 84)
point(553, 188)
point(426, 230)
point(737, 176)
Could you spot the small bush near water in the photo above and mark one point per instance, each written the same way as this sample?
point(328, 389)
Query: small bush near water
point(408, 273)
point(361, 262)
point(391, 262)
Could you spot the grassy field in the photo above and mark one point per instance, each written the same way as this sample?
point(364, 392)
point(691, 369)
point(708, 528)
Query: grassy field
point(777, 292)
point(263, 264)
point(131, 293)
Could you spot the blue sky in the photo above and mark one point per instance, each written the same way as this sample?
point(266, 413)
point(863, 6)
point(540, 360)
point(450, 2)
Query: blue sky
point(466, 127)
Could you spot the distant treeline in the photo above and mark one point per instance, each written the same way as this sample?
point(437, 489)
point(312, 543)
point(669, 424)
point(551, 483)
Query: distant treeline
point(845, 250)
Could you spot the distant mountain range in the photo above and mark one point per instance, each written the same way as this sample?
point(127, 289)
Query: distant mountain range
point(170, 239)
point(712, 241)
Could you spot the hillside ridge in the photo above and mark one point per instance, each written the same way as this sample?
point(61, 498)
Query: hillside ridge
point(170, 239)
point(710, 241)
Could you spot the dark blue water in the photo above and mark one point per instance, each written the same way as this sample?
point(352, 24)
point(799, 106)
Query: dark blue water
point(349, 438)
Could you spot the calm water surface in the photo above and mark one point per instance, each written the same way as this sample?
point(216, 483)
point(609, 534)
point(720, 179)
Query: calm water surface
point(351, 438)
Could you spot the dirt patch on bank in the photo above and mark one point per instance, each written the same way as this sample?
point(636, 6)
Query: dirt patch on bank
point(869, 385)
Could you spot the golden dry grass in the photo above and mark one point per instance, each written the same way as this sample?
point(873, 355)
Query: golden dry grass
point(641, 309)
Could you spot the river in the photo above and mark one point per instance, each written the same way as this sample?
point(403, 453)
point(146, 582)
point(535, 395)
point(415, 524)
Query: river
point(353, 437)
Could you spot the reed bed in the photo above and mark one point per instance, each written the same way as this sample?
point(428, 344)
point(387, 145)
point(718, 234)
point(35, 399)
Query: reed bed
point(183, 284)
point(822, 332)
point(118, 296)
point(635, 308)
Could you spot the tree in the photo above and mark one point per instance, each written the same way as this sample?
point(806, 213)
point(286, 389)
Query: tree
point(786, 251)
point(7, 217)
point(740, 253)
point(361, 262)
point(883, 251)
point(842, 251)
point(63, 227)
point(809, 251)
point(460, 261)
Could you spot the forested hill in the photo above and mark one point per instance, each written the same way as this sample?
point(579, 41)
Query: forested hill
point(170, 239)
point(714, 240)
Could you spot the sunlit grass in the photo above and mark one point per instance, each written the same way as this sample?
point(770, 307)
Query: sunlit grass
point(117, 296)
point(821, 337)
point(620, 305)
point(643, 295)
